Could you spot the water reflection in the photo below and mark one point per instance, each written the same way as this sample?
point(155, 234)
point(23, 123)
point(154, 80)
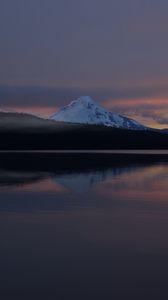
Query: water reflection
point(83, 227)
point(77, 181)
point(33, 183)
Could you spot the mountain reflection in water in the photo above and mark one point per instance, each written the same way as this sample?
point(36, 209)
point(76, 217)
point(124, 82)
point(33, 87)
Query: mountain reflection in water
point(118, 178)
point(83, 226)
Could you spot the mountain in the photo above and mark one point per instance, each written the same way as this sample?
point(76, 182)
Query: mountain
point(19, 131)
point(85, 110)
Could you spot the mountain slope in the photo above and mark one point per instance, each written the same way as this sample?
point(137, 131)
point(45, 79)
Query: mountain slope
point(11, 121)
point(85, 110)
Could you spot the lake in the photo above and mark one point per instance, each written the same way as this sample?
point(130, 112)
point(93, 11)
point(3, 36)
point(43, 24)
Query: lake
point(83, 225)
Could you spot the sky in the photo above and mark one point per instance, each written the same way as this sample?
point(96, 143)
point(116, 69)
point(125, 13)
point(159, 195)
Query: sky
point(52, 51)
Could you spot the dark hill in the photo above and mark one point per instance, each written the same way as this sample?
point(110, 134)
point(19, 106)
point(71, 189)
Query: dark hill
point(22, 131)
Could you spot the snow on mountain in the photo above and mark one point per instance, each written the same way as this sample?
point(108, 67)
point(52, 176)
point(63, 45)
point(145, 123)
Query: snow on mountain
point(85, 110)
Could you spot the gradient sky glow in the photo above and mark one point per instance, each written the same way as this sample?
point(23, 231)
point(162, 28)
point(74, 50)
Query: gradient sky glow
point(52, 51)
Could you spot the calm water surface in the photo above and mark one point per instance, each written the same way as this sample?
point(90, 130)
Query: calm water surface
point(83, 226)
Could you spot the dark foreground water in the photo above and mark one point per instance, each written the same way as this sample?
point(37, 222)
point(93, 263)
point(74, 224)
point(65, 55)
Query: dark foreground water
point(83, 226)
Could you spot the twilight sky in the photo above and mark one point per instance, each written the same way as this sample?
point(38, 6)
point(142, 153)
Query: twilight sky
point(52, 51)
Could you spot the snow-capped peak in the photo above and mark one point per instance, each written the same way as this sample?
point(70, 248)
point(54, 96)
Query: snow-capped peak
point(85, 110)
point(85, 100)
